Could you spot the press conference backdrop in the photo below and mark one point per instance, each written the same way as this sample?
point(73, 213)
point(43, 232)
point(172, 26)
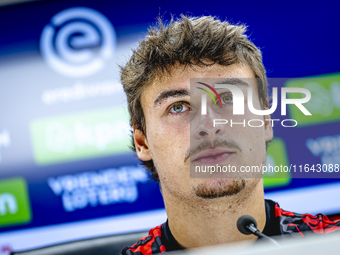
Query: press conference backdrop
point(66, 171)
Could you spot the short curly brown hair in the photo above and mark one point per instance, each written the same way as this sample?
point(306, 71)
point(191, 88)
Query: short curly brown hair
point(189, 41)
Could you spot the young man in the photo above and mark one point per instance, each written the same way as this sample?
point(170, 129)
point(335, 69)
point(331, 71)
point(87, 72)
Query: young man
point(171, 136)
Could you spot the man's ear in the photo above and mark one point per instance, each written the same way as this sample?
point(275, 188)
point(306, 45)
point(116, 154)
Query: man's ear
point(268, 129)
point(141, 144)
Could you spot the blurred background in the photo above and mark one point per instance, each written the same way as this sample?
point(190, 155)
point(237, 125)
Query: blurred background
point(66, 171)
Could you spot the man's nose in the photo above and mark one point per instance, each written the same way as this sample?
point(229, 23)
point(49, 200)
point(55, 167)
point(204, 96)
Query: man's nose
point(204, 133)
point(205, 127)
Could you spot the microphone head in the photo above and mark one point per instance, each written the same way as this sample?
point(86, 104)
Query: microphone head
point(245, 221)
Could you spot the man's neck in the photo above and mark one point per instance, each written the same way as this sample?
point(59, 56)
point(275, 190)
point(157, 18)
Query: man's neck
point(204, 222)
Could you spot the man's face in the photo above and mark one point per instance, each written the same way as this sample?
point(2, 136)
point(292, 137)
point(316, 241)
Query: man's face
point(178, 136)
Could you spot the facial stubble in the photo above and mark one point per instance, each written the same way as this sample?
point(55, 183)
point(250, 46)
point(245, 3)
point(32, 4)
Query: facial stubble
point(220, 189)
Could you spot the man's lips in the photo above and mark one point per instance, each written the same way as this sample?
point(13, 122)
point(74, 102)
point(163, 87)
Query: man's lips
point(213, 156)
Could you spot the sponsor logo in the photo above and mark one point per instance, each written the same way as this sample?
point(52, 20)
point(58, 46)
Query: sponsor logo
point(14, 202)
point(80, 135)
point(77, 42)
point(325, 147)
point(80, 91)
point(98, 188)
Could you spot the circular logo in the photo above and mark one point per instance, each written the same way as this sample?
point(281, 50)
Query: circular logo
point(77, 42)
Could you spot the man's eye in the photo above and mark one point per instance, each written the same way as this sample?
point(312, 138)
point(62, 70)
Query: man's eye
point(178, 108)
point(227, 99)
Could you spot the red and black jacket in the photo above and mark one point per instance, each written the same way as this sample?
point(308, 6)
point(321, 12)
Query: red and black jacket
point(278, 222)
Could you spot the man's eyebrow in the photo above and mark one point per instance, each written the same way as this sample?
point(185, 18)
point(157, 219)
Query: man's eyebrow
point(171, 93)
point(233, 81)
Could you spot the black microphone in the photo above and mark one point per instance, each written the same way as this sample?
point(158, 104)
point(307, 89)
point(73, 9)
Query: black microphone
point(247, 225)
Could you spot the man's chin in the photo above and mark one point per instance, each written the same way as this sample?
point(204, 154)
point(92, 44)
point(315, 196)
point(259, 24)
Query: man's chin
point(220, 188)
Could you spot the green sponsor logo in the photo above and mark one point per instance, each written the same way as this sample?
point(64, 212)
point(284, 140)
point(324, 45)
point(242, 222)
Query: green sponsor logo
point(324, 104)
point(276, 156)
point(79, 136)
point(14, 202)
